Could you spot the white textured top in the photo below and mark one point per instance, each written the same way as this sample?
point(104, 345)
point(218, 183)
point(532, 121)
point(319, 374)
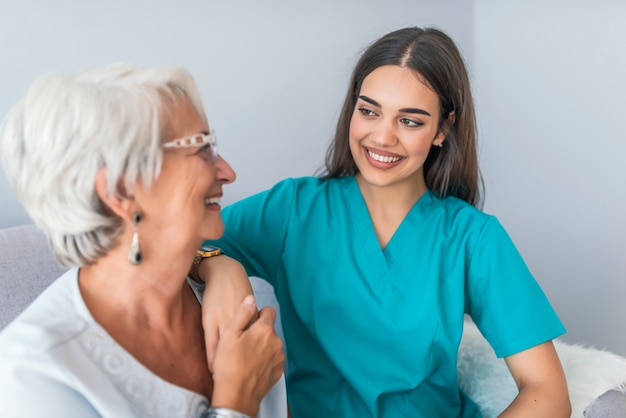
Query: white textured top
point(57, 361)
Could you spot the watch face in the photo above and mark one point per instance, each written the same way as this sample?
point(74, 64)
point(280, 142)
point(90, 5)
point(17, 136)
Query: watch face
point(210, 251)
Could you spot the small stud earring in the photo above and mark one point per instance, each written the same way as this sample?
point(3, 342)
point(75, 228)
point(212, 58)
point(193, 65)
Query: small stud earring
point(134, 254)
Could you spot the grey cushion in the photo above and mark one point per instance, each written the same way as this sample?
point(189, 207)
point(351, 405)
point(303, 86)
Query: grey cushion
point(27, 267)
point(611, 404)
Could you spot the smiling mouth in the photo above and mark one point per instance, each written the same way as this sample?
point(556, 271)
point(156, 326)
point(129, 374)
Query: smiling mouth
point(211, 201)
point(382, 158)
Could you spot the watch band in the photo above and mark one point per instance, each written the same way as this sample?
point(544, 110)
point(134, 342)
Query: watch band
point(206, 251)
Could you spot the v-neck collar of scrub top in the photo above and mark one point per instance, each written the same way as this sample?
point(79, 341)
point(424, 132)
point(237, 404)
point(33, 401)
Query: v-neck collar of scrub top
point(382, 260)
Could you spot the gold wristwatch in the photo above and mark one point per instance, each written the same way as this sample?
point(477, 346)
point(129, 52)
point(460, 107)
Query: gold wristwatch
point(206, 251)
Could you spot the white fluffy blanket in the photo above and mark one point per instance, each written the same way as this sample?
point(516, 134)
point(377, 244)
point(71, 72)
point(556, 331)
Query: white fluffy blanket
point(486, 379)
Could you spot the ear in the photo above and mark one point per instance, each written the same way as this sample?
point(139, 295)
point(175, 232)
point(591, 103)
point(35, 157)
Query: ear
point(119, 203)
point(451, 118)
point(445, 129)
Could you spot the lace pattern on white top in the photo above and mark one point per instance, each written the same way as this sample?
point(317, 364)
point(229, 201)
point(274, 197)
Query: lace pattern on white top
point(148, 395)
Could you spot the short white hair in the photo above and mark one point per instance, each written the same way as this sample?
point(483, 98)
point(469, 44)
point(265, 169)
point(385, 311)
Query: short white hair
point(67, 128)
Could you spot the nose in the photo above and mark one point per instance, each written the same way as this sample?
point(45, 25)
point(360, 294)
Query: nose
point(385, 134)
point(224, 171)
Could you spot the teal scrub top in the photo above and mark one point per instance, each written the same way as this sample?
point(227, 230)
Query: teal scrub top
point(374, 332)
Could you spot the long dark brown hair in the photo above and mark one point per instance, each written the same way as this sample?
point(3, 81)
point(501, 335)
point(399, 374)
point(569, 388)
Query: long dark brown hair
point(449, 171)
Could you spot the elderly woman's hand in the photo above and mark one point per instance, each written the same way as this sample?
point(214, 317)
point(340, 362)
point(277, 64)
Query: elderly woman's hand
point(227, 285)
point(248, 359)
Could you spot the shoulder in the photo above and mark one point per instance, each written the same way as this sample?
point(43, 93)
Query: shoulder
point(459, 213)
point(457, 220)
point(316, 187)
point(293, 187)
point(307, 184)
point(39, 349)
point(295, 191)
point(36, 391)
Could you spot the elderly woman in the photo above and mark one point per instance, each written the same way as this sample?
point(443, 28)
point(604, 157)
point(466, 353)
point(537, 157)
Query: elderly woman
point(120, 169)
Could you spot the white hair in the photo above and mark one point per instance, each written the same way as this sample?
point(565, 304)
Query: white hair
point(67, 128)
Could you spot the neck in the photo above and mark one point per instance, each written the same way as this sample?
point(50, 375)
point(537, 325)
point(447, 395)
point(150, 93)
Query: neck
point(396, 198)
point(153, 293)
point(388, 205)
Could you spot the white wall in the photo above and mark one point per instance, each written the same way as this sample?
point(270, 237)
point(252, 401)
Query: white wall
point(551, 91)
point(273, 73)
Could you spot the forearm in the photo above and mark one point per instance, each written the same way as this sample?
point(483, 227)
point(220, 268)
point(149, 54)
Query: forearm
point(541, 381)
point(539, 400)
point(226, 277)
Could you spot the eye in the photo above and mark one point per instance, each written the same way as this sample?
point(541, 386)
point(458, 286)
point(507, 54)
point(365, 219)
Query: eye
point(206, 152)
point(366, 112)
point(411, 123)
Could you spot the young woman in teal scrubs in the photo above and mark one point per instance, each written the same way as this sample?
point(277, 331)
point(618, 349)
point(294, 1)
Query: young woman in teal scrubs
point(375, 262)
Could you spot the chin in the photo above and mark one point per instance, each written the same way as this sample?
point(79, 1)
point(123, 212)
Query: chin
point(214, 233)
point(377, 180)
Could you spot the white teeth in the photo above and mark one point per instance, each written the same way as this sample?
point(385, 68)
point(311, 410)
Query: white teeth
point(382, 158)
point(211, 200)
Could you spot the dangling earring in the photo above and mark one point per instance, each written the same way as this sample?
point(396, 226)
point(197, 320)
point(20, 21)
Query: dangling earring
point(134, 254)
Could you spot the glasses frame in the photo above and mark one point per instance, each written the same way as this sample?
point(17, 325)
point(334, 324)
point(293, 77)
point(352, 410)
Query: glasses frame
point(196, 140)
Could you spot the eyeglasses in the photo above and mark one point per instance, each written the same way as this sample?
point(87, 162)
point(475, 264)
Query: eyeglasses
point(208, 142)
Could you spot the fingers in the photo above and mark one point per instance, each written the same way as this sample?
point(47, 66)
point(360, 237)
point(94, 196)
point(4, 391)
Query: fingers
point(248, 360)
point(277, 366)
point(267, 315)
point(211, 338)
point(244, 315)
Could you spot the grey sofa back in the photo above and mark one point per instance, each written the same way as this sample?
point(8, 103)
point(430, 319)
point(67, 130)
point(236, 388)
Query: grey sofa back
point(27, 267)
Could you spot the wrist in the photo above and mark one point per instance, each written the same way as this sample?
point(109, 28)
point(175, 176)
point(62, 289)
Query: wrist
point(205, 251)
point(225, 413)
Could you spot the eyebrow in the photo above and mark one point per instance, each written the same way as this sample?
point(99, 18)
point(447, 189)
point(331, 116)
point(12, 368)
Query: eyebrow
point(404, 110)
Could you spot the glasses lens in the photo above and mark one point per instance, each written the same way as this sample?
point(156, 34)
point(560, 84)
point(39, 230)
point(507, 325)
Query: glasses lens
point(214, 152)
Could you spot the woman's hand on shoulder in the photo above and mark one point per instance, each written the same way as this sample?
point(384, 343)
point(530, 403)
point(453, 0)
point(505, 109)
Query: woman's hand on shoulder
point(248, 360)
point(540, 379)
point(227, 285)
